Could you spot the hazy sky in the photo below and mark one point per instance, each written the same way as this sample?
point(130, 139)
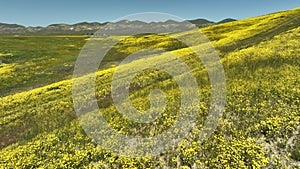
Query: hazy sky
point(43, 12)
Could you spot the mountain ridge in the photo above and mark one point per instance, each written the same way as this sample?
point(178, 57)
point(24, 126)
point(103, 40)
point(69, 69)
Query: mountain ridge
point(89, 27)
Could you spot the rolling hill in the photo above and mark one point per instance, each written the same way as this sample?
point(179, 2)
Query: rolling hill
point(259, 127)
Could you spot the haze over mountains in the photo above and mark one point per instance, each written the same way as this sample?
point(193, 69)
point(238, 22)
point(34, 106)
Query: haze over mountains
point(89, 28)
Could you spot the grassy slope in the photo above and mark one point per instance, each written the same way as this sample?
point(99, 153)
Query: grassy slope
point(29, 62)
point(258, 126)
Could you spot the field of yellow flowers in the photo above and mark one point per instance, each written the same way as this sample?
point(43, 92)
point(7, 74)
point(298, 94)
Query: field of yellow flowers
point(260, 126)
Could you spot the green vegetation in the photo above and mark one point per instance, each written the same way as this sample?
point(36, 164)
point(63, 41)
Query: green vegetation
point(29, 62)
point(259, 128)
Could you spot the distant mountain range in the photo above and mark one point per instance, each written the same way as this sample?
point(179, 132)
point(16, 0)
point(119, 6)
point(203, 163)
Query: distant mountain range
point(86, 28)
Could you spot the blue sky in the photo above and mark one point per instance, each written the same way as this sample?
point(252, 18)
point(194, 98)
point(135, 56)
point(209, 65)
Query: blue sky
point(41, 13)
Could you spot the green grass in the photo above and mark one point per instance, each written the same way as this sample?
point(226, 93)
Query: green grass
point(29, 62)
point(38, 128)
